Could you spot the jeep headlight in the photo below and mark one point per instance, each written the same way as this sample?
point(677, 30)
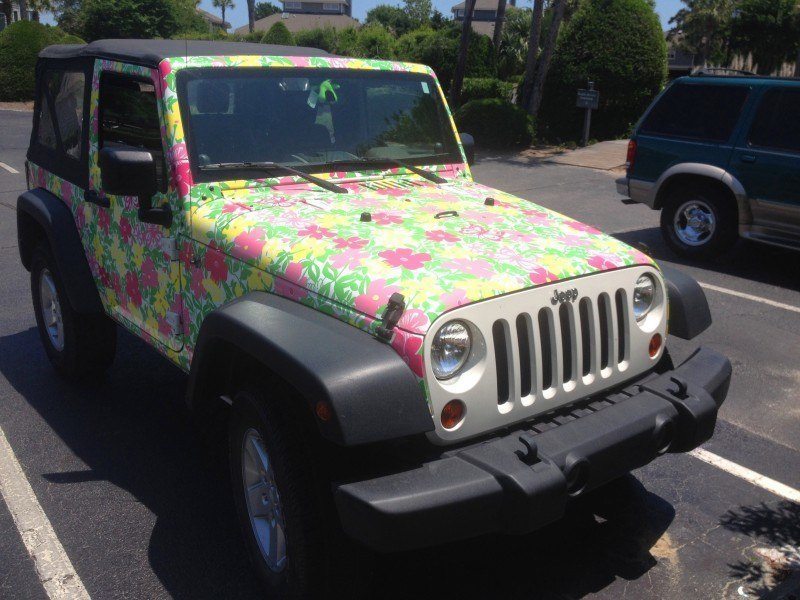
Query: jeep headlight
point(644, 296)
point(450, 349)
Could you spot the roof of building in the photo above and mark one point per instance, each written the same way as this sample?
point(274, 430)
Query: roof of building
point(152, 52)
point(479, 5)
point(483, 27)
point(212, 18)
point(303, 21)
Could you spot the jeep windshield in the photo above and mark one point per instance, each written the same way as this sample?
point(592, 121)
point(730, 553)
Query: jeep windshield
point(314, 120)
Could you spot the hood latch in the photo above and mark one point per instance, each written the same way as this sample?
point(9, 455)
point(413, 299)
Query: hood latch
point(391, 315)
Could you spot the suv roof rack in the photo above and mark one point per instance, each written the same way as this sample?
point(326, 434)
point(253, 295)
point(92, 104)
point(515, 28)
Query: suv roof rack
point(721, 71)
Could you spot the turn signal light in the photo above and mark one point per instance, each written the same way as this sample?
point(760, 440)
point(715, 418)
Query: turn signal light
point(452, 414)
point(655, 345)
point(324, 411)
point(630, 158)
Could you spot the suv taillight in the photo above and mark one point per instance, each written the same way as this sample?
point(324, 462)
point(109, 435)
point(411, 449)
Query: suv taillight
point(630, 159)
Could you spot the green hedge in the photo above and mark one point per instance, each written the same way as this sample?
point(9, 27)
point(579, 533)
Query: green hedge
point(20, 43)
point(495, 123)
point(482, 88)
point(620, 46)
point(278, 34)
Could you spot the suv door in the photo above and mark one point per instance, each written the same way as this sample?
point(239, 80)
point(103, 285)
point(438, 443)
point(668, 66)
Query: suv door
point(137, 261)
point(766, 161)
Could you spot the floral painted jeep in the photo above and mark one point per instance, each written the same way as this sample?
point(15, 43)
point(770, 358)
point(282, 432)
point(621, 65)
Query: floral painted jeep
point(404, 357)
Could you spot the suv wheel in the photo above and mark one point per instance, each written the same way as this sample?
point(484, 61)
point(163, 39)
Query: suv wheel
point(79, 346)
point(283, 499)
point(699, 222)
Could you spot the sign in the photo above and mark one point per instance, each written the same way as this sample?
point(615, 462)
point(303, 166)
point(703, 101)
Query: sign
point(588, 99)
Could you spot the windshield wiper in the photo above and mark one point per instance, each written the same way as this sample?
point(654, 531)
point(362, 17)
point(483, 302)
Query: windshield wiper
point(392, 161)
point(271, 166)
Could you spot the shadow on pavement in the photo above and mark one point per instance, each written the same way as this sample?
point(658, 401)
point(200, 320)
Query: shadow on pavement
point(133, 431)
point(749, 260)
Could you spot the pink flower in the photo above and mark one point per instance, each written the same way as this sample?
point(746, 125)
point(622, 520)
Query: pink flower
point(125, 229)
point(178, 153)
point(293, 282)
point(382, 218)
point(316, 232)
point(196, 283)
point(182, 179)
point(233, 207)
point(215, 265)
point(477, 267)
point(103, 220)
point(132, 288)
point(353, 242)
point(483, 216)
point(440, 235)
point(414, 320)
point(349, 258)
point(409, 346)
point(377, 295)
point(541, 275)
point(455, 298)
point(473, 230)
point(405, 257)
point(250, 244)
point(604, 262)
point(578, 226)
point(149, 276)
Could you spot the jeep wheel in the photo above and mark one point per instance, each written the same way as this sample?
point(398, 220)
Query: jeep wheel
point(699, 222)
point(79, 346)
point(283, 499)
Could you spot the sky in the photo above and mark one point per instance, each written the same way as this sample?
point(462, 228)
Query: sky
point(238, 15)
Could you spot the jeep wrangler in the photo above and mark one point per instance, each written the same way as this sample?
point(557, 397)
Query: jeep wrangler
point(402, 357)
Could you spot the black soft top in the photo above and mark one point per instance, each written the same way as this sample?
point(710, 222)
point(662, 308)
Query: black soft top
point(151, 52)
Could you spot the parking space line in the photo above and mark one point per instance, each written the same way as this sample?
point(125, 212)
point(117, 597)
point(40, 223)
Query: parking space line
point(8, 168)
point(772, 486)
point(53, 566)
point(723, 290)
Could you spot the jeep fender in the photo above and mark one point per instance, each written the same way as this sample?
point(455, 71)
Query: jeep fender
point(372, 391)
point(41, 214)
point(689, 315)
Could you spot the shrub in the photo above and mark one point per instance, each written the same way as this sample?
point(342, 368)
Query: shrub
point(481, 88)
point(138, 18)
point(278, 34)
point(323, 38)
point(20, 43)
point(371, 41)
point(394, 18)
point(620, 46)
point(495, 123)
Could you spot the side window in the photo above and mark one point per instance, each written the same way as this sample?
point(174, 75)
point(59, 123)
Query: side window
point(698, 112)
point(129, 116)
point(777, 122)
point(62, 97)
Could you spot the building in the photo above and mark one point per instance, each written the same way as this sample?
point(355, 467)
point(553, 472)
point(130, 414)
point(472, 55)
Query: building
point(483, 16)
point(214, 22)
point(305, 15)
point(15, 15)
point(679, 62)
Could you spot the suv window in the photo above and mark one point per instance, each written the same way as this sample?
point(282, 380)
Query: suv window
point(129, 116)
point(62, 97)
point(698, 112)
point(777, 122)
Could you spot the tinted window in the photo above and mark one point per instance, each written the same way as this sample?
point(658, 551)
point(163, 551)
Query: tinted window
point(62, 97)
point(700, 112)
point(777, 122)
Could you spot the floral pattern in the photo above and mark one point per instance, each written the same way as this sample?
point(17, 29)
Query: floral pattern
point(441, 246)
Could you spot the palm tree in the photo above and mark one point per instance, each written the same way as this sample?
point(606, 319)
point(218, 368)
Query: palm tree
point(704, 25)
point(461, 64)
point(223, 5)
point(533, 52)
point(499, 21)
point(251, 15)
point(543, 65)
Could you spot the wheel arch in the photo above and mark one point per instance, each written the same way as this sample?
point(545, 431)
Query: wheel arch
point(372, 393)
point(42, 217)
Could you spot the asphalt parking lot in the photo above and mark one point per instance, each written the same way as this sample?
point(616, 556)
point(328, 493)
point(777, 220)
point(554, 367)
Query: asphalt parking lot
point(140, 504)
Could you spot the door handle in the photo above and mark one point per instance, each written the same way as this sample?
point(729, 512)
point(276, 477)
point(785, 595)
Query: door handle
point(93, 197)
point(747, 158)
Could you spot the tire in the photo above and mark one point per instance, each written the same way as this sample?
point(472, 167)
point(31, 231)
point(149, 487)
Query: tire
point(716, 219)
point(319, 561)
point(79, 346)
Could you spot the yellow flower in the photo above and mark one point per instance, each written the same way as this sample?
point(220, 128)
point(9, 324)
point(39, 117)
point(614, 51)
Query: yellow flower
point(259, 280)
point(138, 254)
point(117, 253)
point(556, 264)
point(150, 324)
point(216, 293)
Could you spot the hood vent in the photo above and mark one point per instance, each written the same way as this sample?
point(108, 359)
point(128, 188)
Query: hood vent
point(392, 183)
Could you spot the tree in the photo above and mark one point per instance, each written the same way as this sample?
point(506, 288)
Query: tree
point(543, 65)
point(223, 5)
point(265, 9)
point(532, 59)
point(620, 46)
point(419, 11)
point(499, 22)
point(67, 15)
point(765, 28)
point(136, 18)
point(279, 35)
point(703, 28)
point(461, 63)
point(251, 15)
point(514, 43)
point(393, 18)
point(5, 7)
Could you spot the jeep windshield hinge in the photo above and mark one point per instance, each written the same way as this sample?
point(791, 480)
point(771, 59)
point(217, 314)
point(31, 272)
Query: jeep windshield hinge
point(391, 315)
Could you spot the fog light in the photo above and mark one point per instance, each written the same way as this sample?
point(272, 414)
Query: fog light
point(655, 345)
point(452, 414)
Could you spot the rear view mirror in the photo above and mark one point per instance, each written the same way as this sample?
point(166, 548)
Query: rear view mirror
point(130, 171)
point(468, 142)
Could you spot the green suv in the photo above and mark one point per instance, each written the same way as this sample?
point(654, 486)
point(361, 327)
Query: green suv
point(720, 157)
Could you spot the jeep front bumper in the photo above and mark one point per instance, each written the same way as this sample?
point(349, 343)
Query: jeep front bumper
point(522, 480)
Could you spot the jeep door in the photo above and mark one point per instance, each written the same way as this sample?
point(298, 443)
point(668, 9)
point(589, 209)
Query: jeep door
point(138, 261)
point(766, 161)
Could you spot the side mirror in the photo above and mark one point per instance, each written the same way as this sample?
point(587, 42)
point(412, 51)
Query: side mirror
point(130, 171)
point(468, 142)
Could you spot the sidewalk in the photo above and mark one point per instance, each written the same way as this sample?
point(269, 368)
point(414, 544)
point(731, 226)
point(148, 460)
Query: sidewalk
point(603, 155)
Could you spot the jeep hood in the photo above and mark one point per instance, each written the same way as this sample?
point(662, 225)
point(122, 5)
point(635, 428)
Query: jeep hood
point(440, 246)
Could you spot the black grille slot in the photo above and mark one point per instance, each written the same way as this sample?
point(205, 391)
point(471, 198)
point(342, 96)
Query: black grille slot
point(564, 318)
point(585, 313)
point(546, 339)
point(501, 352)
point(604, 316)
point(621, 326)
point(524, 341)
